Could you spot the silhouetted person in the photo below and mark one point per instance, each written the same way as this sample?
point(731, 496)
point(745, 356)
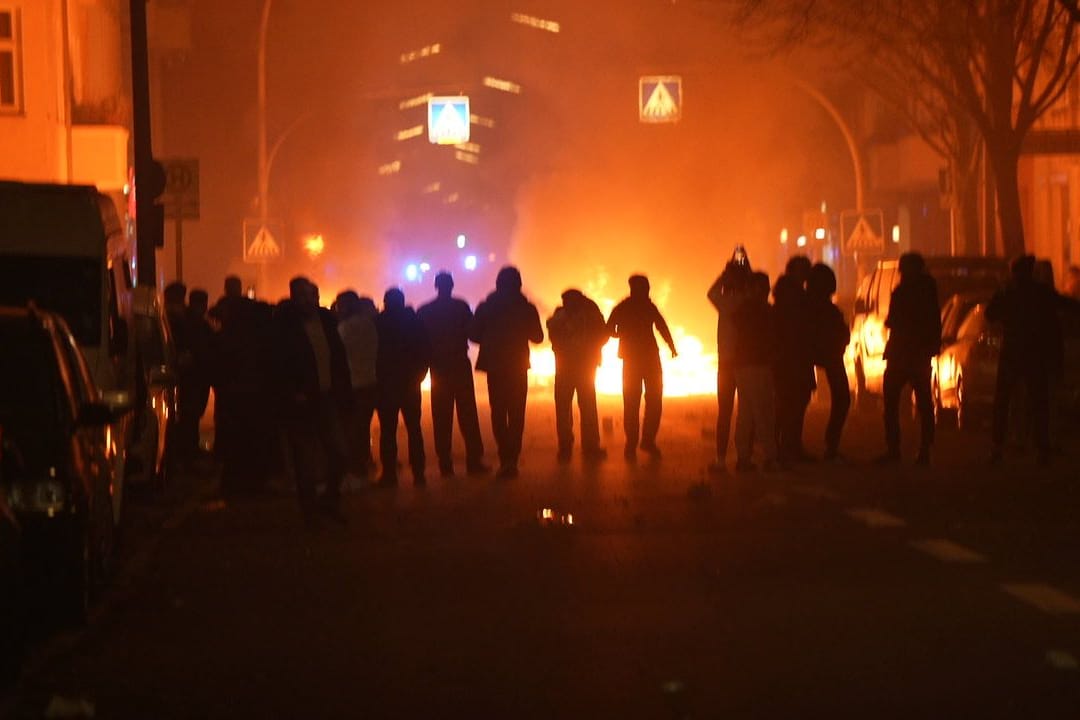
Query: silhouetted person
point(755, 356)
point(1032, 350)
point(313, 381)
point(829, 337)
point(243, 389)
point(194, 378)
point(633, 321)
point(356, 326)
point(578, 332)
point(914, 324)
point(794, 364)
point(446, 319)
point(400, 366)
point(504, 325)
point(726, 294)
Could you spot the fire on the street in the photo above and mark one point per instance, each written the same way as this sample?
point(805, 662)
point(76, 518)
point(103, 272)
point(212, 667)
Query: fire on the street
point(693, 372)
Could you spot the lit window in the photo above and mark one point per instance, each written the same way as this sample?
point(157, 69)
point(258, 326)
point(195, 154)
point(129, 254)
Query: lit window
point(10, 80)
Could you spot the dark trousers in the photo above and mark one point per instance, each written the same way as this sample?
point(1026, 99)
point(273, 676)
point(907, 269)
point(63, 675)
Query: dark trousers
point(245, 438)
point(507, 393)
point(792, 399)
point(725, 401)
point(897, 375)
point(404, 400)
point(571, 378)
point(637, 372)
point(452, 386)
point(192, 398)
point(316, 440)
point(839, 404)
point(1036, 381)
point(359, 430)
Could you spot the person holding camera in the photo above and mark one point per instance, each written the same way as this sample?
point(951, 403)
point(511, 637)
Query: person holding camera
point(726, 295)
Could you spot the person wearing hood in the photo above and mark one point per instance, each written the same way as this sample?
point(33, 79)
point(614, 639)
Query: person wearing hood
point(578, 332)
point(794, 369)
point(633, 321)
point(400, 366)
point(829, 337)
point(503, 326)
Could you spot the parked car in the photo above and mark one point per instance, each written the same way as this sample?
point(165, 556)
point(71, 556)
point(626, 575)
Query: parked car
point(12, 604)
point(954, 275)
point(964, 373)
point(155, 393)
point(58, 475)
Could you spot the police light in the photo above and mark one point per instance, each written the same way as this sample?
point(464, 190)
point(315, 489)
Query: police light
point(412, 272)
point(470, 262)
point(461, 241)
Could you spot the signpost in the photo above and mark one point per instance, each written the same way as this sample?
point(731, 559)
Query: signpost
point(261, 244)
point(863, 231)
point(181, 200)
point(660, 98)
point(448, 119)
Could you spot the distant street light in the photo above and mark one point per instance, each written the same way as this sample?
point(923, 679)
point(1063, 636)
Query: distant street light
point(470, 262)
point(461, 241)
point(314, 245)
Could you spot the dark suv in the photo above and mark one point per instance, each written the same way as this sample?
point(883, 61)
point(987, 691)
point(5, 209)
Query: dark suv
point(57, 469)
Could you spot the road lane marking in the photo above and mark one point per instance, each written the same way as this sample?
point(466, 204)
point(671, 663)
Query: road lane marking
point(1062, 660)
point(876, 518)
point(1046, 598)
point(948, 551)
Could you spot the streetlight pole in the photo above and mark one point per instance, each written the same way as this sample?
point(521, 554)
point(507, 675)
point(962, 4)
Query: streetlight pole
point(263, 178)
point(849, 137)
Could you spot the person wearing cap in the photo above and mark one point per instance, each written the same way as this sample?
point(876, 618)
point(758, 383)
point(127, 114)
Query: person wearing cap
point(633, 322)
point(504, 325)
point(578, 332)
point(446, 321)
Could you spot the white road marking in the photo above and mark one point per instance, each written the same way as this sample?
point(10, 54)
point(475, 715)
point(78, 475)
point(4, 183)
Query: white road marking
point(876, 518)
point(948, 551)
point(1046, 598)
point(1062, 660)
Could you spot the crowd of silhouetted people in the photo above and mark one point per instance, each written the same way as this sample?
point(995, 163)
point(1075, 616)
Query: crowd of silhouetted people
point(297, 385)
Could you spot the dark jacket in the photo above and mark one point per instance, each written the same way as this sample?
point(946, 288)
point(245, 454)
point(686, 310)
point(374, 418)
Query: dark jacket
point(446, 322)
point(504, 325)
point(794, 356)
point(296, 372)
point(914, 321)
point(755, 334)
point(632, 321)
point(1030, 314)
point(829, 334)
point(578, 333)
point(404, 353)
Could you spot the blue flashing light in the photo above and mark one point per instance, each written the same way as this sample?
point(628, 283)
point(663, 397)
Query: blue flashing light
point(412, 272)
point(470, 262)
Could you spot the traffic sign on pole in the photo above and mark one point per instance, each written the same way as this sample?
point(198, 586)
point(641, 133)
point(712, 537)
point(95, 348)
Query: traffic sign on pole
point(863, 231)
point(448, 120)
point(181, 196)
point(261, 244)
point(660, 98)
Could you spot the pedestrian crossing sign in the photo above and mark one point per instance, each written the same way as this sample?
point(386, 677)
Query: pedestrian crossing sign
point(660, 98)
point(260, 245)
point(448, 120)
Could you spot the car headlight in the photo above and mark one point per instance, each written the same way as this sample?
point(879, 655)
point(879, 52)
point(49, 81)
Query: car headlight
point(45, 496)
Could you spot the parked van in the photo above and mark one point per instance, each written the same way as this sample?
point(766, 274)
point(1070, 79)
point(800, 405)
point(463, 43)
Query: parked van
point(865, 355)
point(64, 248)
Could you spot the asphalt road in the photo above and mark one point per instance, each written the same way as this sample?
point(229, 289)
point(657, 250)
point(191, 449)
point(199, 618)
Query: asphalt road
point(852, 591)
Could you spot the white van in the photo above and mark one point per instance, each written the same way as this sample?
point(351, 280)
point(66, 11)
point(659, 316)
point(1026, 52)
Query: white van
point(63, 248)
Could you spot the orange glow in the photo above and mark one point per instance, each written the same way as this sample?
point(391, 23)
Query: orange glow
point(314, 245)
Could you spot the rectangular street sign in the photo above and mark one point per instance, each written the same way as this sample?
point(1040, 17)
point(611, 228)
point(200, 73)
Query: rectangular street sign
point(262, 240)
point(448, 120)
point(181, 196)
point(660, 98)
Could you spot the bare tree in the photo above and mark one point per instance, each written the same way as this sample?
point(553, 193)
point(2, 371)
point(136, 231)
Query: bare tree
point(996, 64)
